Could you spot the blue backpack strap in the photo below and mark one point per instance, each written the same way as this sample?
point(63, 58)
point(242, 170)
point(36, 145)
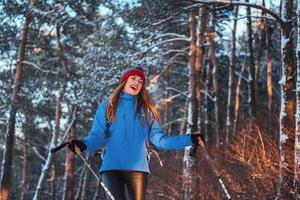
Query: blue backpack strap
point(107, 134)
point(150, 150)
point(107, 126)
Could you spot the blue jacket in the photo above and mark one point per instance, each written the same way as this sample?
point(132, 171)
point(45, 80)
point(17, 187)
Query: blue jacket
point(125, 149)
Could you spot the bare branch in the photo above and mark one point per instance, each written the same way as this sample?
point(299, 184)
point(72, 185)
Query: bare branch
point(39, 68)
point(237, 3)
point(50, 60)
point(163, 42)
point(153, 37)
point(208, 95)
point(178, 51)
point(180, 92)
point(38, 154)
point(243, 17)
point(70, 125)
point(169, 18)
point(242, 76)
point(173, 121)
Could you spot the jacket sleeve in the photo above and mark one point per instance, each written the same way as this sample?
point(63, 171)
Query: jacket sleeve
point(164, 142)
point(96, 136)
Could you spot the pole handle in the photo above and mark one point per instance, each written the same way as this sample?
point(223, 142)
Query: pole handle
point(59, 147)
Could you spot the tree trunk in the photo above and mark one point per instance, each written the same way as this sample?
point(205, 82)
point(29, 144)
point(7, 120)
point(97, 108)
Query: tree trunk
point(269, 74)
point(237, 98)
point(10, 134)
point(206, 100)
point(24, 184)
point(199, 62)
point(168, 107)
point(97, 192)
point(62, 57)
point(195, 65)
point(183, 126)
point(251, 94)
point(69, 169)
point(188, 162)
point(64, 65)
point(297, 133)
point(85, 185)
point(53, 191)
point(200, 71)
point(261, 47)
point(215, 91)
point(288, 103)
point(80, 182)
point(230, 102)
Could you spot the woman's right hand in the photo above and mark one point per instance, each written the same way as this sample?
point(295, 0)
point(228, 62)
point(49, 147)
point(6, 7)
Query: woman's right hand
point(77, 146)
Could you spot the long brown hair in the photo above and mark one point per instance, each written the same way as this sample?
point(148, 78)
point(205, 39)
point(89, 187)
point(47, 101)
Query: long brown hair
point(144, 101)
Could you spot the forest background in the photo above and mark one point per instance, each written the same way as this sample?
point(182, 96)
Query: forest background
point(229, 69)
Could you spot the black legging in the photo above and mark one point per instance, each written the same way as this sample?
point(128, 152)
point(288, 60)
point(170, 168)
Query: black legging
point(118, 182)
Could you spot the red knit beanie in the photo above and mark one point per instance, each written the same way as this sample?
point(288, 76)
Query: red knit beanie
point(138, 71)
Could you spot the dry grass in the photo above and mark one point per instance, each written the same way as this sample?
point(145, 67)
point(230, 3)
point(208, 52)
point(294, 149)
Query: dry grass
point(258, 154)
point(248, 166)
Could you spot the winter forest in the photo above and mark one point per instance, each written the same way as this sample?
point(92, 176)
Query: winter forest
point(227, 69)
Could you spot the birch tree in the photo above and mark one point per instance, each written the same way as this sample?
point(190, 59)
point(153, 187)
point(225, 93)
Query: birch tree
point(288, 101)
point(188, 161)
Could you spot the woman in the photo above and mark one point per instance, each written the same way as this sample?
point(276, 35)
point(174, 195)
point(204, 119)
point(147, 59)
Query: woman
point(130, 118)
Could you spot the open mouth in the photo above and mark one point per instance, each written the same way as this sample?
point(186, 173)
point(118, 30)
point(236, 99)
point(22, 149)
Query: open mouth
point(135, 88)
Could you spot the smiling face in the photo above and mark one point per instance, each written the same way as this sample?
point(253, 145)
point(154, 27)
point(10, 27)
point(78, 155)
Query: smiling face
point(133, 85)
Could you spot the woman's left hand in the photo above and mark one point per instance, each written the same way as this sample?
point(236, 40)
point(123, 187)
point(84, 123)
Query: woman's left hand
point(198, 139)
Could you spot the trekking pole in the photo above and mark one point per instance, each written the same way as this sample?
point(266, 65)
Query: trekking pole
point(61, 146)
point(217, 174)
point(97, 177)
